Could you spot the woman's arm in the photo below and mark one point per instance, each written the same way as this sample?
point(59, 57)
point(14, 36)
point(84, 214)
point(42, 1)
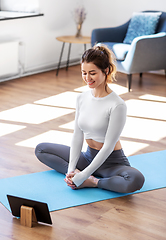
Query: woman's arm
point(115, 127)
point(76, 144)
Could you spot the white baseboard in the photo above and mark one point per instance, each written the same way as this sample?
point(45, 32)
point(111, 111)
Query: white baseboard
point(39, 69)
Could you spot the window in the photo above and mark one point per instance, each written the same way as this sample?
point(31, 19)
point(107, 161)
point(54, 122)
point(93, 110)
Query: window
point(10, 9)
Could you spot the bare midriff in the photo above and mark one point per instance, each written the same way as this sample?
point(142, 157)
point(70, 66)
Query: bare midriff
point(97, 145)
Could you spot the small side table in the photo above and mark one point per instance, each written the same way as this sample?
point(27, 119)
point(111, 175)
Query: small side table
point(70, 40)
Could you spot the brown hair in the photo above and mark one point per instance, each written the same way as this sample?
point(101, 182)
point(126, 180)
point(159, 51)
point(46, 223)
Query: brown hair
point(103, 58)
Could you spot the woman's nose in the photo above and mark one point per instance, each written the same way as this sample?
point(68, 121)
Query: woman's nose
point(88, 77)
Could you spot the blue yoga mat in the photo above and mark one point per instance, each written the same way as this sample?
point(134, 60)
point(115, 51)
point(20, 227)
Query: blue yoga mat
point(50, 187)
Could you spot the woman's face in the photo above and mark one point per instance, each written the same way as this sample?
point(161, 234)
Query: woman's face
point(92, 75)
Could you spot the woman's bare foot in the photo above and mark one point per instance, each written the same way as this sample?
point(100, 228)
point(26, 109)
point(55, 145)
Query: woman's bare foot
point(91, 182)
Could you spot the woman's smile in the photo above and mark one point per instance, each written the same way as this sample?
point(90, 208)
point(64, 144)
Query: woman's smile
point(90, 82)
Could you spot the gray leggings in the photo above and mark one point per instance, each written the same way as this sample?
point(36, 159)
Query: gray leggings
point(115, 173)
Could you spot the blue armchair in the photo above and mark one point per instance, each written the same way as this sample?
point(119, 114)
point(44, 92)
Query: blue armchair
point(145, 53)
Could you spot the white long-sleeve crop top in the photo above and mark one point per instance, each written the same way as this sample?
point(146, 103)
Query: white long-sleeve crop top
point(100, 119)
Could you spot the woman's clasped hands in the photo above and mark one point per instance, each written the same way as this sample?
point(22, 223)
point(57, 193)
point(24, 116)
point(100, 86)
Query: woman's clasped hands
point(68, 180)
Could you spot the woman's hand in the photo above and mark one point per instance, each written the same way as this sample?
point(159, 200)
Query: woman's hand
point(68, 180)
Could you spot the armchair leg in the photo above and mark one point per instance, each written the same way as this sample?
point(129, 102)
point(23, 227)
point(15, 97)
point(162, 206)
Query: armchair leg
point(129, 78)
point(140, 79)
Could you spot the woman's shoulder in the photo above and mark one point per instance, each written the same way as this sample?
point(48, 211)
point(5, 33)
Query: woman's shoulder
point(81, 98)
point(116, 101)
point(115, 98)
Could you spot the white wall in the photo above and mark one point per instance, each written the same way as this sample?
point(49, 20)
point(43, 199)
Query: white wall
point(120, 11)
point(40, 49)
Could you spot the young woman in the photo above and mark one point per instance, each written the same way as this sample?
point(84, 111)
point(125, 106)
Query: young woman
point(100, 118)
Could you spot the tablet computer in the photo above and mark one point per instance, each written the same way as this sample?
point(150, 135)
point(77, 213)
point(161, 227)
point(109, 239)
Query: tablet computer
point(41, 208)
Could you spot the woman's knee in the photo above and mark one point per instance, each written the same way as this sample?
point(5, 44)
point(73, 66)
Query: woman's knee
point(39, 149)
point(135, 180)
point(139, 180)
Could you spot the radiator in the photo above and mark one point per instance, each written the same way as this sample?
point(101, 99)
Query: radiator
point(9, 60)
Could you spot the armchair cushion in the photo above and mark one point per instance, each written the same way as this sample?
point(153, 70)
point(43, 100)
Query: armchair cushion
point(143, 23)
point(120, 50)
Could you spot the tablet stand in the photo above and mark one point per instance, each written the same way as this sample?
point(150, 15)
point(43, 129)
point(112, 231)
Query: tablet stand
point(27, 216)
point(29, 210)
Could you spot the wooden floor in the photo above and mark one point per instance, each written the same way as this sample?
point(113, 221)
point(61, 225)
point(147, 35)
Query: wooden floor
point(30, 112)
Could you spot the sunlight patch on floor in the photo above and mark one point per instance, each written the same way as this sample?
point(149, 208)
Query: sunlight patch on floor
point(82, 89)
point(131, 147)
point(153, 98)
point(66, 99)
point(51, 136)
point(6, 128)
point(69, 125)
point(145, 129)
point(146, 109)
point(34, 114)
point(118, 89)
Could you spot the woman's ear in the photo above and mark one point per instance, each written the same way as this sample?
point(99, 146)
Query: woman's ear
point(107, 70)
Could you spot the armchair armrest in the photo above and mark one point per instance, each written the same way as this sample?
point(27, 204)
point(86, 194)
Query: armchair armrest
point(113, 34)
point(146, 53)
